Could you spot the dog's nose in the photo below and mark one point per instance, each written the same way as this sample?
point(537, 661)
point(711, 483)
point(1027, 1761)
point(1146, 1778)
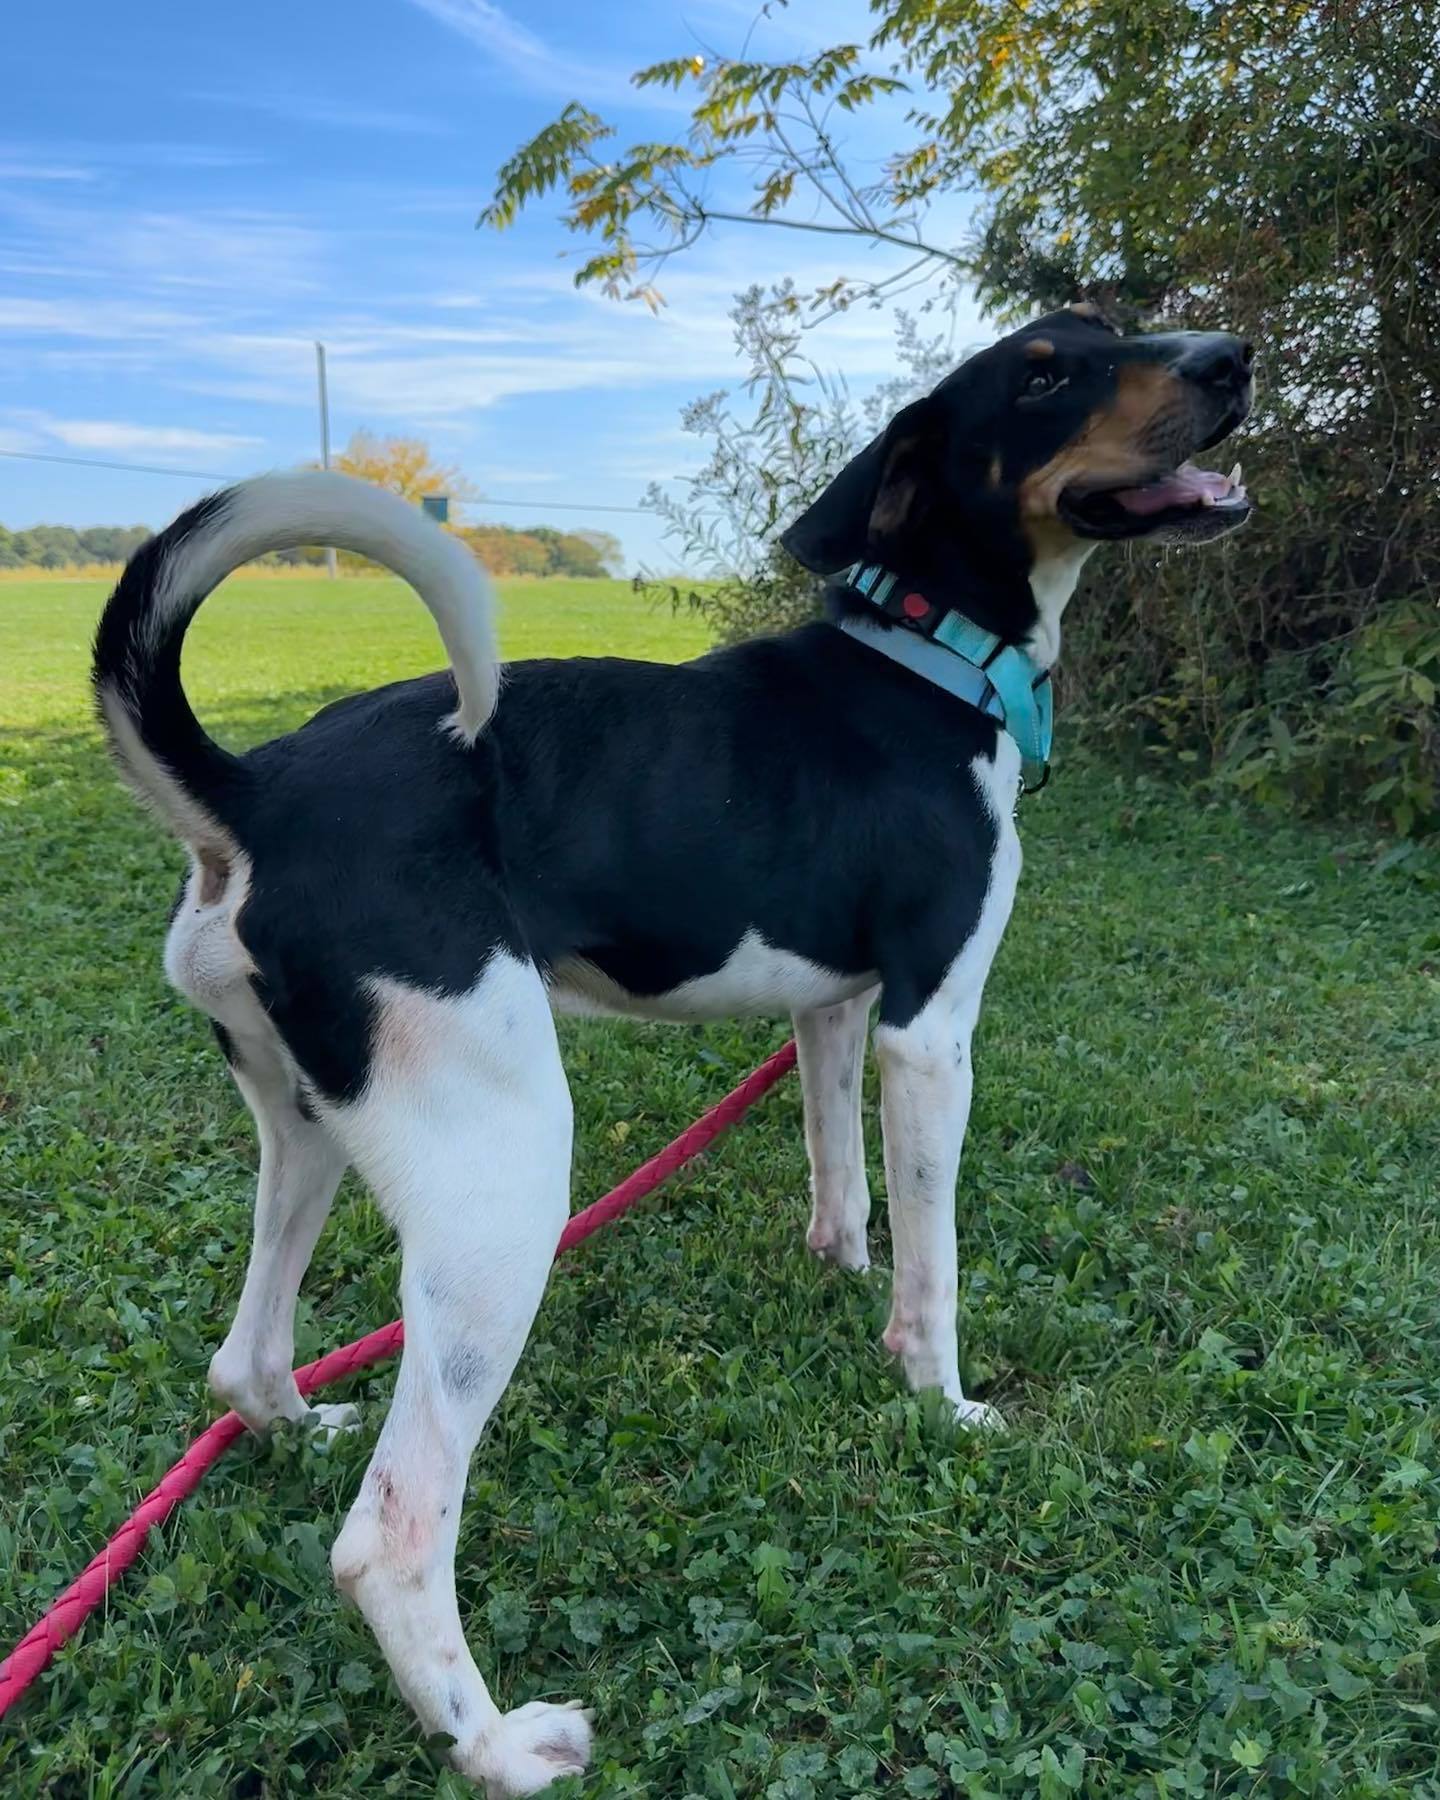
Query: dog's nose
point(1216, 359)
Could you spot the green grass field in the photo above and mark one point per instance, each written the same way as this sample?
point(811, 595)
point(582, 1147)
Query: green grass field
point(1198, 1214)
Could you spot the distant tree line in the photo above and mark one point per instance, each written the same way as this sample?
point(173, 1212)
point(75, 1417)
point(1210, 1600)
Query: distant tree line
point(65, 547)
point(504, 551)
point(407, 466)
point(403, 465)
point(543, 551)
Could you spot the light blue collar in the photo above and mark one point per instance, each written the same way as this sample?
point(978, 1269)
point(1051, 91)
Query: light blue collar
point(964, 659)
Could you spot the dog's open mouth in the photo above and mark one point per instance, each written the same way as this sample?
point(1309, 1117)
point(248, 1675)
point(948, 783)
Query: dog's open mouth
point(1189, 504)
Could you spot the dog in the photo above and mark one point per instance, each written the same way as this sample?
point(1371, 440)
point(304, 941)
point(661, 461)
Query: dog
point(385, 908)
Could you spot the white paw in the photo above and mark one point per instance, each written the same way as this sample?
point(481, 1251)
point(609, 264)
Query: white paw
point(975, 1415)
point(328, 1421)
point(530, 1748)
point(839, 1248)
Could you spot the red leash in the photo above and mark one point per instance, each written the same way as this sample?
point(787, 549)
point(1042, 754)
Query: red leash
point(67, 1614)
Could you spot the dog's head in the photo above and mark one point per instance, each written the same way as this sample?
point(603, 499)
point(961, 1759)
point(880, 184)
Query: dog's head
point(1060, 436)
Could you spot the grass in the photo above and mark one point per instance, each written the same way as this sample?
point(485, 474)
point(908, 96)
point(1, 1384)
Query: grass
point(1197, 1212)
point(303, 636)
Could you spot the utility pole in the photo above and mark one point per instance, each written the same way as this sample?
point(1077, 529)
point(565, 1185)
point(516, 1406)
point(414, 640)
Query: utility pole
point(324, 438)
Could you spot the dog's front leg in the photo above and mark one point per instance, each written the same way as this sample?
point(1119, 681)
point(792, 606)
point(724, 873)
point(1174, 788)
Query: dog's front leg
point(831, 1046)
point(926, 1082)
point(922, 1044)
point(926, 1104)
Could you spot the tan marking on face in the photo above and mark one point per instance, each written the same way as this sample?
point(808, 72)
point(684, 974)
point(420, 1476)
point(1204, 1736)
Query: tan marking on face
point(997, 471)
point(1036, 348)
point(1088, 309)
point(1108, 449)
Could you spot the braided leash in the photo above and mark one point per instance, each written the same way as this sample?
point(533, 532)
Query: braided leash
point(67, 1614)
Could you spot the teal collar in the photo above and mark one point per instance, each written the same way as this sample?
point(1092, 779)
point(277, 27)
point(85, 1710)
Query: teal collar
point(973, 664)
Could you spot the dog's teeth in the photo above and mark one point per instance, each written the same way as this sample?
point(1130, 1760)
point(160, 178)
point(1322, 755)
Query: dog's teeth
point(1235, 476)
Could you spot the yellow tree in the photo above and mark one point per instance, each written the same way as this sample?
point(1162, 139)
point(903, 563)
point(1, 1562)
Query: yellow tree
point(405, 466)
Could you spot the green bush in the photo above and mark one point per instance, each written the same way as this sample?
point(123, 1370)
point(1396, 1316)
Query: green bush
point(1267, 168)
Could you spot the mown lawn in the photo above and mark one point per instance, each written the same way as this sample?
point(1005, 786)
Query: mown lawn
point(1198, 1211)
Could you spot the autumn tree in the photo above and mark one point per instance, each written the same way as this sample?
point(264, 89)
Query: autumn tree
point(404, 465)
point(542, 550)
point(609, 551)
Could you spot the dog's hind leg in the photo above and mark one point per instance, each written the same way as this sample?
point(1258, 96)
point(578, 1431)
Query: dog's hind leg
point(831, 1045)
point(300, 1161)
point(300, 1169)
point(463, 1130)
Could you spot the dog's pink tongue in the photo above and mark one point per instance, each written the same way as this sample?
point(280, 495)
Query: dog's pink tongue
point(1188, 486)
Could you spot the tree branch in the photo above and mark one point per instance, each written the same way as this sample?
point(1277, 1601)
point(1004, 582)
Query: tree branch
point(707, 216)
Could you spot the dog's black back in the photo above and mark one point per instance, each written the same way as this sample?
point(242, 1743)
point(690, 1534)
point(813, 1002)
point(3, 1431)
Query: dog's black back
point(639, 818)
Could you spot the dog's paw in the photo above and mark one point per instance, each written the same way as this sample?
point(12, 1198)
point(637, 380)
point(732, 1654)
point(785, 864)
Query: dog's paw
point(328, 1421)
point(530, 1748)
point(975, 1415)
point(840, 1248)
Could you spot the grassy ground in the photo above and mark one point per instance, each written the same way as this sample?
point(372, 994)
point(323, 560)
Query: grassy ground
point(302, 637)
point(1198, 1214)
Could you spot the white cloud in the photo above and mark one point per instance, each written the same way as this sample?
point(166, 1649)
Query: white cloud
point(80, 319)
point(30, 429)
point(429, 353)
point(19, 170)
point(507, 477)
point(418, 389)
point(91, 160)
point(143, 253)
point(151, 440)
point(218, 250)
point(488, 27)
point(340, 115)
point(516, 49)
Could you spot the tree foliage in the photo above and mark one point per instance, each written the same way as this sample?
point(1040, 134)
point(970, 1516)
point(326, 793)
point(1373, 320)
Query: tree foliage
point(1270, 166)
point(795, 430)
point(406, 466)
point(542, 550)
point(403, 465)
point(69, 547)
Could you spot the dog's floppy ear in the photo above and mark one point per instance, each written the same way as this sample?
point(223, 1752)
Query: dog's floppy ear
point(876, 497)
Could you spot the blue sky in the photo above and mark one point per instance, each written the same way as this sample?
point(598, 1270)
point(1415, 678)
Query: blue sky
point(189, 196)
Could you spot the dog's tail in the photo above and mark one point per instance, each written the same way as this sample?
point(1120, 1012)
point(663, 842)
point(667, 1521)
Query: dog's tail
point(162, 750)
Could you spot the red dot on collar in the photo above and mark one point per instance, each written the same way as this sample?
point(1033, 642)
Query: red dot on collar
point(915, 606)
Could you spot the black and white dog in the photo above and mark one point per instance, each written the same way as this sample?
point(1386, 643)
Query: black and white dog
point(385, 906)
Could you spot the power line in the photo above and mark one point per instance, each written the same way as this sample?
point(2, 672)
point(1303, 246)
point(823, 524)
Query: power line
point(551, 505)
point(95, 462)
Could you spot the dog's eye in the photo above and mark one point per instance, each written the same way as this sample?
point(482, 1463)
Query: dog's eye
point(1038, 382)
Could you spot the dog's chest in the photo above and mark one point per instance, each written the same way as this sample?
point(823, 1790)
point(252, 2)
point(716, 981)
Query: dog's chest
point(756, 978)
